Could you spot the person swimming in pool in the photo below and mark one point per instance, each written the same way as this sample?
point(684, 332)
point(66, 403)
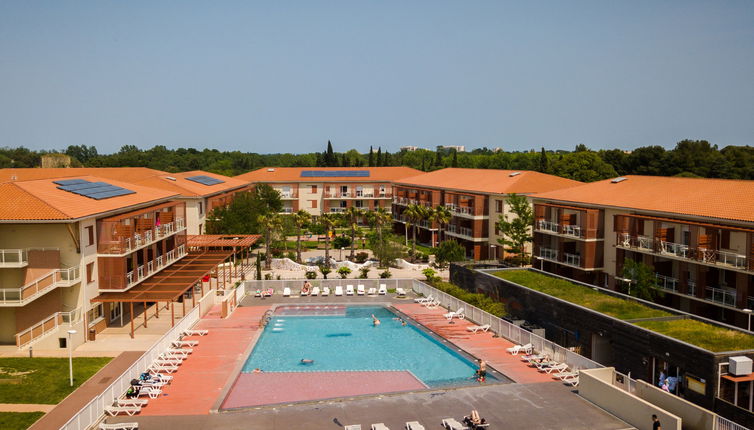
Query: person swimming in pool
point(375, 321)
point(307, 361)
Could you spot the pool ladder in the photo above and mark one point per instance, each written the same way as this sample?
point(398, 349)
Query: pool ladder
point(265, 319)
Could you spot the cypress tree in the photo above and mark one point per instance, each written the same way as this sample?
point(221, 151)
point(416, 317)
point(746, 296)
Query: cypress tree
point(387, 159)
point(379, 156)
point(455, 159)
point(330, 159)
point(371, 156)
point(438, 159)
point(543, 164)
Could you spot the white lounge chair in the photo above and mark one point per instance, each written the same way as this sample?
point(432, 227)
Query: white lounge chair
point(160, 367)
point(561, 367)
point(572, 381)
point(315, 291)
point(353, 427)
point(432, 305)
point(167, 358)
point(457, 314)
point(161, 377)
point(515, 350)
point(181, 352)
point(360, 290)
point(154, 384)
point(286, 292)
point(414, 425)
point(379, 426)
point(131, 402)
point(423, 300)
point(383, 290)
point(566, 375)
point(400, 292)
point(338, 290)
point(372, 291)
point(182, 343)
point(326, 291)
point(153, 393)
point(452, 424)
point(117, 410)
point(119, 426)
point(195, 332)
point(349, 290)
point(477, 328)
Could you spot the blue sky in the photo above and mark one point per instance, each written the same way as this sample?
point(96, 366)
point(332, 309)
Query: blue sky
point(287, 76)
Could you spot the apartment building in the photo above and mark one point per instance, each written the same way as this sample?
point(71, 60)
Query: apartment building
point(201, 191)
point(64, 241)
point(697, 235)
point(321, 190)
point(476, 199)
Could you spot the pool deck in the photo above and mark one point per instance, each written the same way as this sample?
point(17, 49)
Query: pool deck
point(204, 379)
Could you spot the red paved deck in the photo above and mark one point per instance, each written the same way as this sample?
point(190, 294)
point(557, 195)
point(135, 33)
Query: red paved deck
point(256, 389)
point(483, 345)
point(202, 376)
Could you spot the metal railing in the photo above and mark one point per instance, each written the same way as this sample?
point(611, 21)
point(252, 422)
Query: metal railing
point(337, 210)
point(691, 287)
point(153, 266)
point(704, 255)
point(666, 282)
point(572, 259)
point(56, 278)
point(14, 257)
point(677, 249)
point(48, 325)
point(548, 226)
point(142, 239)
point(571, 230)
point(722, 296)
point(548, 254)
point(94, 411)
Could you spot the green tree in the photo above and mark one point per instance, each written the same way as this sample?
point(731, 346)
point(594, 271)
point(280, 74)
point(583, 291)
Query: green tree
point(344, 271)
point(270, 223)
point(441, 215)
point(327, 221)
point(370, 160)
point(351, 217)
point(242, 215)
point(414, 214)
point(584, 166)
point(642, 282)
point(301, 219)
point(447, 252)
point(544, 165)
point(385, 247)
point(516, 232)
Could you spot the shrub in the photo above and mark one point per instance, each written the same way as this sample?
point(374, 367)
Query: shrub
point(344, 272)
point(482, 301)
point(361, 257)
point(364, 272)
point(430, 274)
point(341, 242)
point(386, 274)
point(268, 276)
point(310, 274)
point(291, 255)
point(325, 270)
point(278, 277)
point(277, 253)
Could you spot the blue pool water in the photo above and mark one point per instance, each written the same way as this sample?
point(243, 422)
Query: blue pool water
point(350, 342)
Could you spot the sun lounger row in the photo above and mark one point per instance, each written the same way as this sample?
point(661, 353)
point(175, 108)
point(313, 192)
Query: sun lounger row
point(268, 292)
point(349, 291)
point(119, 426)
point(526, 349)
point(457, 314)
point(410, 425)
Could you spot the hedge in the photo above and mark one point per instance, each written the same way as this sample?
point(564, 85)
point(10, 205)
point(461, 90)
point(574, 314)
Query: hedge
point(482, 301)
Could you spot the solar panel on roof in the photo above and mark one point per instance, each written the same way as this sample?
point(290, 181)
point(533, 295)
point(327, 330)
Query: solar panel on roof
point(334, 173)
point(205, 180)
point(93, 190)
point(70, 181)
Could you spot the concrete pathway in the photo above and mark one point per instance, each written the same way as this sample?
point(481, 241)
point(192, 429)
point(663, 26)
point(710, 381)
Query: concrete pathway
point(483, 345)
point(90, 389)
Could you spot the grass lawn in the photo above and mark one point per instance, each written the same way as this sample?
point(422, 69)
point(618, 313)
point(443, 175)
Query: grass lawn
point(580, 295)
point(305, 244)
point(707, 336)
point(18, 420)
point(44, 380)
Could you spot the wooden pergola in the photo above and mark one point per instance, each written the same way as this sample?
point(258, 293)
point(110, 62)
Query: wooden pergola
point(173, 282)
point(238, 244)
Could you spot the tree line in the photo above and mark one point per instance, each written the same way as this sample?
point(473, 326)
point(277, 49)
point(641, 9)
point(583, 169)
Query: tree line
point(689, 158)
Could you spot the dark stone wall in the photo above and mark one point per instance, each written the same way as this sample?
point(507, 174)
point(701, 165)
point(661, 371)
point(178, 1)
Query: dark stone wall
point(570, 325)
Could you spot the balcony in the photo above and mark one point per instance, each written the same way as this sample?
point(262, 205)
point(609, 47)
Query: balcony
point(572, 259)
point(151, 267)
point(287, 210)
point(548, 254)
point(287, 195)
point(459, 231)
point(46, 326)
point(338, 195)
point(65, 277)
point(711, 257)
point(723, 296)
point(127, 242)
point(463, 211)
point(337, 210)
point(422, 223)
point(571, 230)
point(666, 282)
point(552, 227)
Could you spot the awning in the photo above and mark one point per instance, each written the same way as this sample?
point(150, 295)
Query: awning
point(222, 241)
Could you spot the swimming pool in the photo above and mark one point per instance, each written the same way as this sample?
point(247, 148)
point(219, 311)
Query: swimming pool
point(349, 342)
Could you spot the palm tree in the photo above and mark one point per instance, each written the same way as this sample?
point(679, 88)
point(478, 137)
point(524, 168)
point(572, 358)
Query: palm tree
point(379, 218)
point(442, 216)
point(301, 219)
point(271, 223)
point(414, 213)
point(327, 221)
point(351, 216)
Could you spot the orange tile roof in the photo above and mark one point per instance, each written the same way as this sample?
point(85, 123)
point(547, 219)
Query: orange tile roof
point(489, 181)
point(42, 200)
point(127, 174)
point(293, 174)
point(187, 188)
point(711, 198)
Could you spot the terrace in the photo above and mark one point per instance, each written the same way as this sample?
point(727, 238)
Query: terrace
point(125, 233)
point(707, 336)
point(64, 277)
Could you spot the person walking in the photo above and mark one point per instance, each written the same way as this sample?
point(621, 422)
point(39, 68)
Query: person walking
point(656, 423)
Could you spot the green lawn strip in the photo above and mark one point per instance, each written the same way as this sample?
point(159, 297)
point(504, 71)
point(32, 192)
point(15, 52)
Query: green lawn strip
point(581, 295)
point(44, 380)
point(707, 336)
point(18, 420)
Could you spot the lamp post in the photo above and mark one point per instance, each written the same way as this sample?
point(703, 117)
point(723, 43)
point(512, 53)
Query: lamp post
point(748, 326)
point(70, 356)
point(341, 253)
point(541, 263)
point(494, 254)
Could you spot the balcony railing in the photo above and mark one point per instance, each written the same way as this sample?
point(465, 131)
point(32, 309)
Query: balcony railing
point(721, 295)
point(463, 210)
point(18, 257)
point(286, 210)
point(56, 278)
point(666, 282)
point(288, 194)
point(571, 230)
point(151, 267)
point(548, 254)
point(46, 326)
point(421, 223)
point(572, 259)
point(691, 287)
point(337, 210)
point(704, 255)
point(142, 239)
point(548, 226)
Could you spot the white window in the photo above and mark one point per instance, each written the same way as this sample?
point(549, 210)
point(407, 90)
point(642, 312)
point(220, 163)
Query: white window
point(96, 313)
point(359, 203)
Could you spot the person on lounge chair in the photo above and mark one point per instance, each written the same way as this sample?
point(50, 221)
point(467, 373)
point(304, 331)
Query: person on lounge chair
point(474, 420)
point(306, 289)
